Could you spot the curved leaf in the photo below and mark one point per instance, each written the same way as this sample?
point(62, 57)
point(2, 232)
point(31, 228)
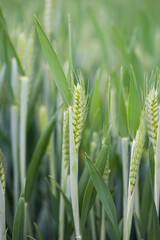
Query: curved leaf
point(90, 193)
point(104, 195)
point(36, 160)
point(19, 220)
point(55, 66)
point(134, 105)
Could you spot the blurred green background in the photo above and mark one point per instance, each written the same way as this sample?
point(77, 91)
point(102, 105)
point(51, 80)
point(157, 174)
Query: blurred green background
point(105, 35)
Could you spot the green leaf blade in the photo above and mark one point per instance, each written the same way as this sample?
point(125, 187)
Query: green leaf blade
point(18, 226)
point(55, 66)
point(122, 113)
point(104, 195)
point(134, 106)
point(90, 193)
point(36, 160)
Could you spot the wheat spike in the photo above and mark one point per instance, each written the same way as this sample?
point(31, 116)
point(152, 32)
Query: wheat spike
point(66, 138)
point(49, 15)
point(152, 116)
point(136, 154)
point(79, 110)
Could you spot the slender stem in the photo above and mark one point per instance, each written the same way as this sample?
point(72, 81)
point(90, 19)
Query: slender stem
point(14, 76)
point(103, 231)
point(52, 164)
point(62, 205)
point(136, 204)
point(23, 120)
point(74, 178)
point(129, 214)
point(157, 170)
point(2, 214)
point(14, 143)
point(129, 208)
point(137, 207)
point(125, 178)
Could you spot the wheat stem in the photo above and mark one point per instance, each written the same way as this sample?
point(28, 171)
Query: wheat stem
point(157, 170)
point(23, 120)
point(74, 177)
point(14, 142)
point(2, 198)
point(125, 178)
point(64, 171)
point(92, 223)
point(136, 153)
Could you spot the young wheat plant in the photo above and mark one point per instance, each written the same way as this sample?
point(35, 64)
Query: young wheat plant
point(152, 125)
point(136, 154)
point(77, 117)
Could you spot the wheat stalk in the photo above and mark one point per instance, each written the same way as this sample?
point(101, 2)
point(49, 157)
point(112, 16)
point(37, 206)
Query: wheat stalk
point(2, 198)
point(77, 117)
point(136, 154)
point(152, 124)
point(64, 170)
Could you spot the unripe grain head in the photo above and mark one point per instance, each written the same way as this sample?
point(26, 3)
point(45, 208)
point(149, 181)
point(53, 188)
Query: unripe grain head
point(136, 154)
point(152, 117)
point(66, 138)
point(79, 110)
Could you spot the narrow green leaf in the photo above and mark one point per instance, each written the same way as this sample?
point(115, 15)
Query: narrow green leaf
point(154, 224)
point(2, 20)
point(29, 237)
point(138, 227)
point(54, 203)
point(19, 220)
point(145, 204)
point(68, 204)
point(36, 160)
point(107, 117)
point(122, 114)
point(84, 178)
point(95, 105)
point(3, 26)
point(55, 66)
point(134, 105)
point(121, 44)
point(120, 228)
point(104, 195)
point(90, 193)
point(40, 237)
point(116, 80)
point(154, 232)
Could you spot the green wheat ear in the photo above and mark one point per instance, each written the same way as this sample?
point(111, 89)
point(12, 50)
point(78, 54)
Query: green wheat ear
point(152, 116)
point(66, 138)
point(136, 153)
point(79, 110)
point(2, 170)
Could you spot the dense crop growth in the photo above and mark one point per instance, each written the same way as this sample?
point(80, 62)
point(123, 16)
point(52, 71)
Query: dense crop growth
point(79, 119)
